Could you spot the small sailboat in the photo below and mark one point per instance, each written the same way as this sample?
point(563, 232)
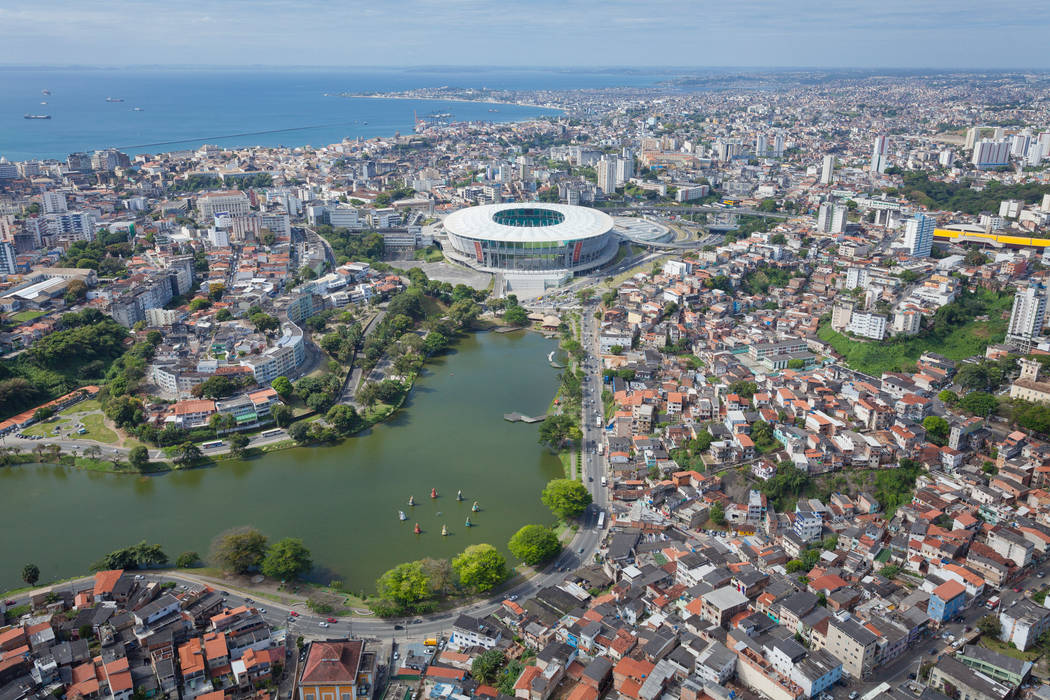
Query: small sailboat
point(417, 529)
point(411, 500)
point(444, 531)
point(433, 493)
point(468, 523)
point(459, 495)
point(401, 515)
point(475, 508)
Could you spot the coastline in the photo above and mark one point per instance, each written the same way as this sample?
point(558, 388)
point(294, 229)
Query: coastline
point(354, 96)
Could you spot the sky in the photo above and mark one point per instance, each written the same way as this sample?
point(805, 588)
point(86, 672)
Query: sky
point(766, 33)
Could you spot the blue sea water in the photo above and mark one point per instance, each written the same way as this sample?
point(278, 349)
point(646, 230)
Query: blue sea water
point(182, 109)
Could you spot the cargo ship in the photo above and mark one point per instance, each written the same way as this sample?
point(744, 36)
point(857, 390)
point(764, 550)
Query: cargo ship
point(37, 116)
point(114, 99)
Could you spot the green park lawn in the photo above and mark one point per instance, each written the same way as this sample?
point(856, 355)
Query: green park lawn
point(93, 424)
point(26, 316)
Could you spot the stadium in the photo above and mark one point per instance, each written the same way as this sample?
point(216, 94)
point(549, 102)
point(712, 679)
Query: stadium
point(530, 246)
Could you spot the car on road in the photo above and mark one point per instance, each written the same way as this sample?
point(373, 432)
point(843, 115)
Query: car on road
point(397, 655)
point(330, 620)
point(322, 623)
point(293, 614)
point(854, 695)
point(933, 651)
point(417, 621)
point(513, 598)
point(580, 550)
point(9, 602)
point(262, 611)
point(399, 627)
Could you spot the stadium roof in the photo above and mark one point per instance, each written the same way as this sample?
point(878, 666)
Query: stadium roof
point(573, 223)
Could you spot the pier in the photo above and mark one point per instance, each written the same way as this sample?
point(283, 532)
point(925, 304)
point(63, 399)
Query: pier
point(519, 418)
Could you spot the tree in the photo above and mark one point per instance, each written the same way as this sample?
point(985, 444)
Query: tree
point(534, 544)
point(556, 429)
point(199, 303)
point(31, 574)
point(238, 443)
point(187, 560)
point(406, 584)
point(239, 550)
point(516, 316)
point(138, 457)
point(188, 453)
point(978, 403)
point(937, 429)
point(76, 290)
point(889, 571)
point(223, 315)
point(487, 665)
point(718, 514)
point(282, 415)
point(566, 498)
point(344, 419)
point(287, 559)
point(480, 567)
point(300, 432)
point(282, 386)
point(990, 625)
point(264, 322)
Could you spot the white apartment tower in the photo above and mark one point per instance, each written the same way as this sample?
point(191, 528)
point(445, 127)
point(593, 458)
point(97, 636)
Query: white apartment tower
point(53, 202)
point(831, 218)
point(1028, 314)
point(778, 145)
point(827, 170)
point(918, 236)
point(761, 145)
point(607, 175)
point(879, 154)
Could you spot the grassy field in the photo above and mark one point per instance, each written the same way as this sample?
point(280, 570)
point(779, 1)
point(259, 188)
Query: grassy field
point(964, 341)
point(86, 406)
point(26, 316)
point(93, 424)
point(1004, 648)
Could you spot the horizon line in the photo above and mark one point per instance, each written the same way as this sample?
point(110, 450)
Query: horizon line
point(561, 68)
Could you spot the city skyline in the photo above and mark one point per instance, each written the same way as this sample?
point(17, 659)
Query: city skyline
point(477, 32)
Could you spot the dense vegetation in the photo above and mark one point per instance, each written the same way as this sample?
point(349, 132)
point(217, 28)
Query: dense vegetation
point(760, 280)
point(414, 586)
point(953, 332)
point(105, 254)
point(80, 353)
point(959, 196)
point(352, 246)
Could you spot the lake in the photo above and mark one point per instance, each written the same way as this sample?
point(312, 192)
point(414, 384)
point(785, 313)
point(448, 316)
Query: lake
point(342, 501)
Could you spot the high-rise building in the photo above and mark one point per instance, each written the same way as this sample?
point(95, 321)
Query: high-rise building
point(831, 218)
point(778, 145)
point(53, 202)
point(1020, 143)
point(880, 153)
point(827, 170)
point(624, 168)
point(988, 153)
point(918, 236)
point(761, 145)
point(607, 175)
point(7, 259)
point(1028, 314)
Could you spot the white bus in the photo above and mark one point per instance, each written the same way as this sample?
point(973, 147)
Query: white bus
point(601, 519)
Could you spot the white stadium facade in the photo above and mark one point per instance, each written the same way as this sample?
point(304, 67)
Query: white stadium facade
point(530, 246)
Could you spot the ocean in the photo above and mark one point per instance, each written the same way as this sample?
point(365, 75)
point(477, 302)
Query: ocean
point(182, 109)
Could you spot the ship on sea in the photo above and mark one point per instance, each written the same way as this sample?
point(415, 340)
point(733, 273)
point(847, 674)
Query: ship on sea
point(45, 92)
point(37, 116)
point(114, 99)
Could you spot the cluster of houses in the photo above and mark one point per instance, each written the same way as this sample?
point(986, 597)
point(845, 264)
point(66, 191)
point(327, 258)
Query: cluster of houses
point(121, 637)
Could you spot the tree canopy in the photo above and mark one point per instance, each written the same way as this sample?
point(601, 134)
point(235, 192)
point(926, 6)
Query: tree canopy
point(480, 567)
point(534, 544)
point(406, 584)
point(566, 498)
point(287, 559)
point(239, 550)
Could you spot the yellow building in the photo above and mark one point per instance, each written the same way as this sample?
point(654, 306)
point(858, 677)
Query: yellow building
point(337, 670)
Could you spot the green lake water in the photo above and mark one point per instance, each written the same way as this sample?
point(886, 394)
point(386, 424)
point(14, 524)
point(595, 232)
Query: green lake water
point(342, 501)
